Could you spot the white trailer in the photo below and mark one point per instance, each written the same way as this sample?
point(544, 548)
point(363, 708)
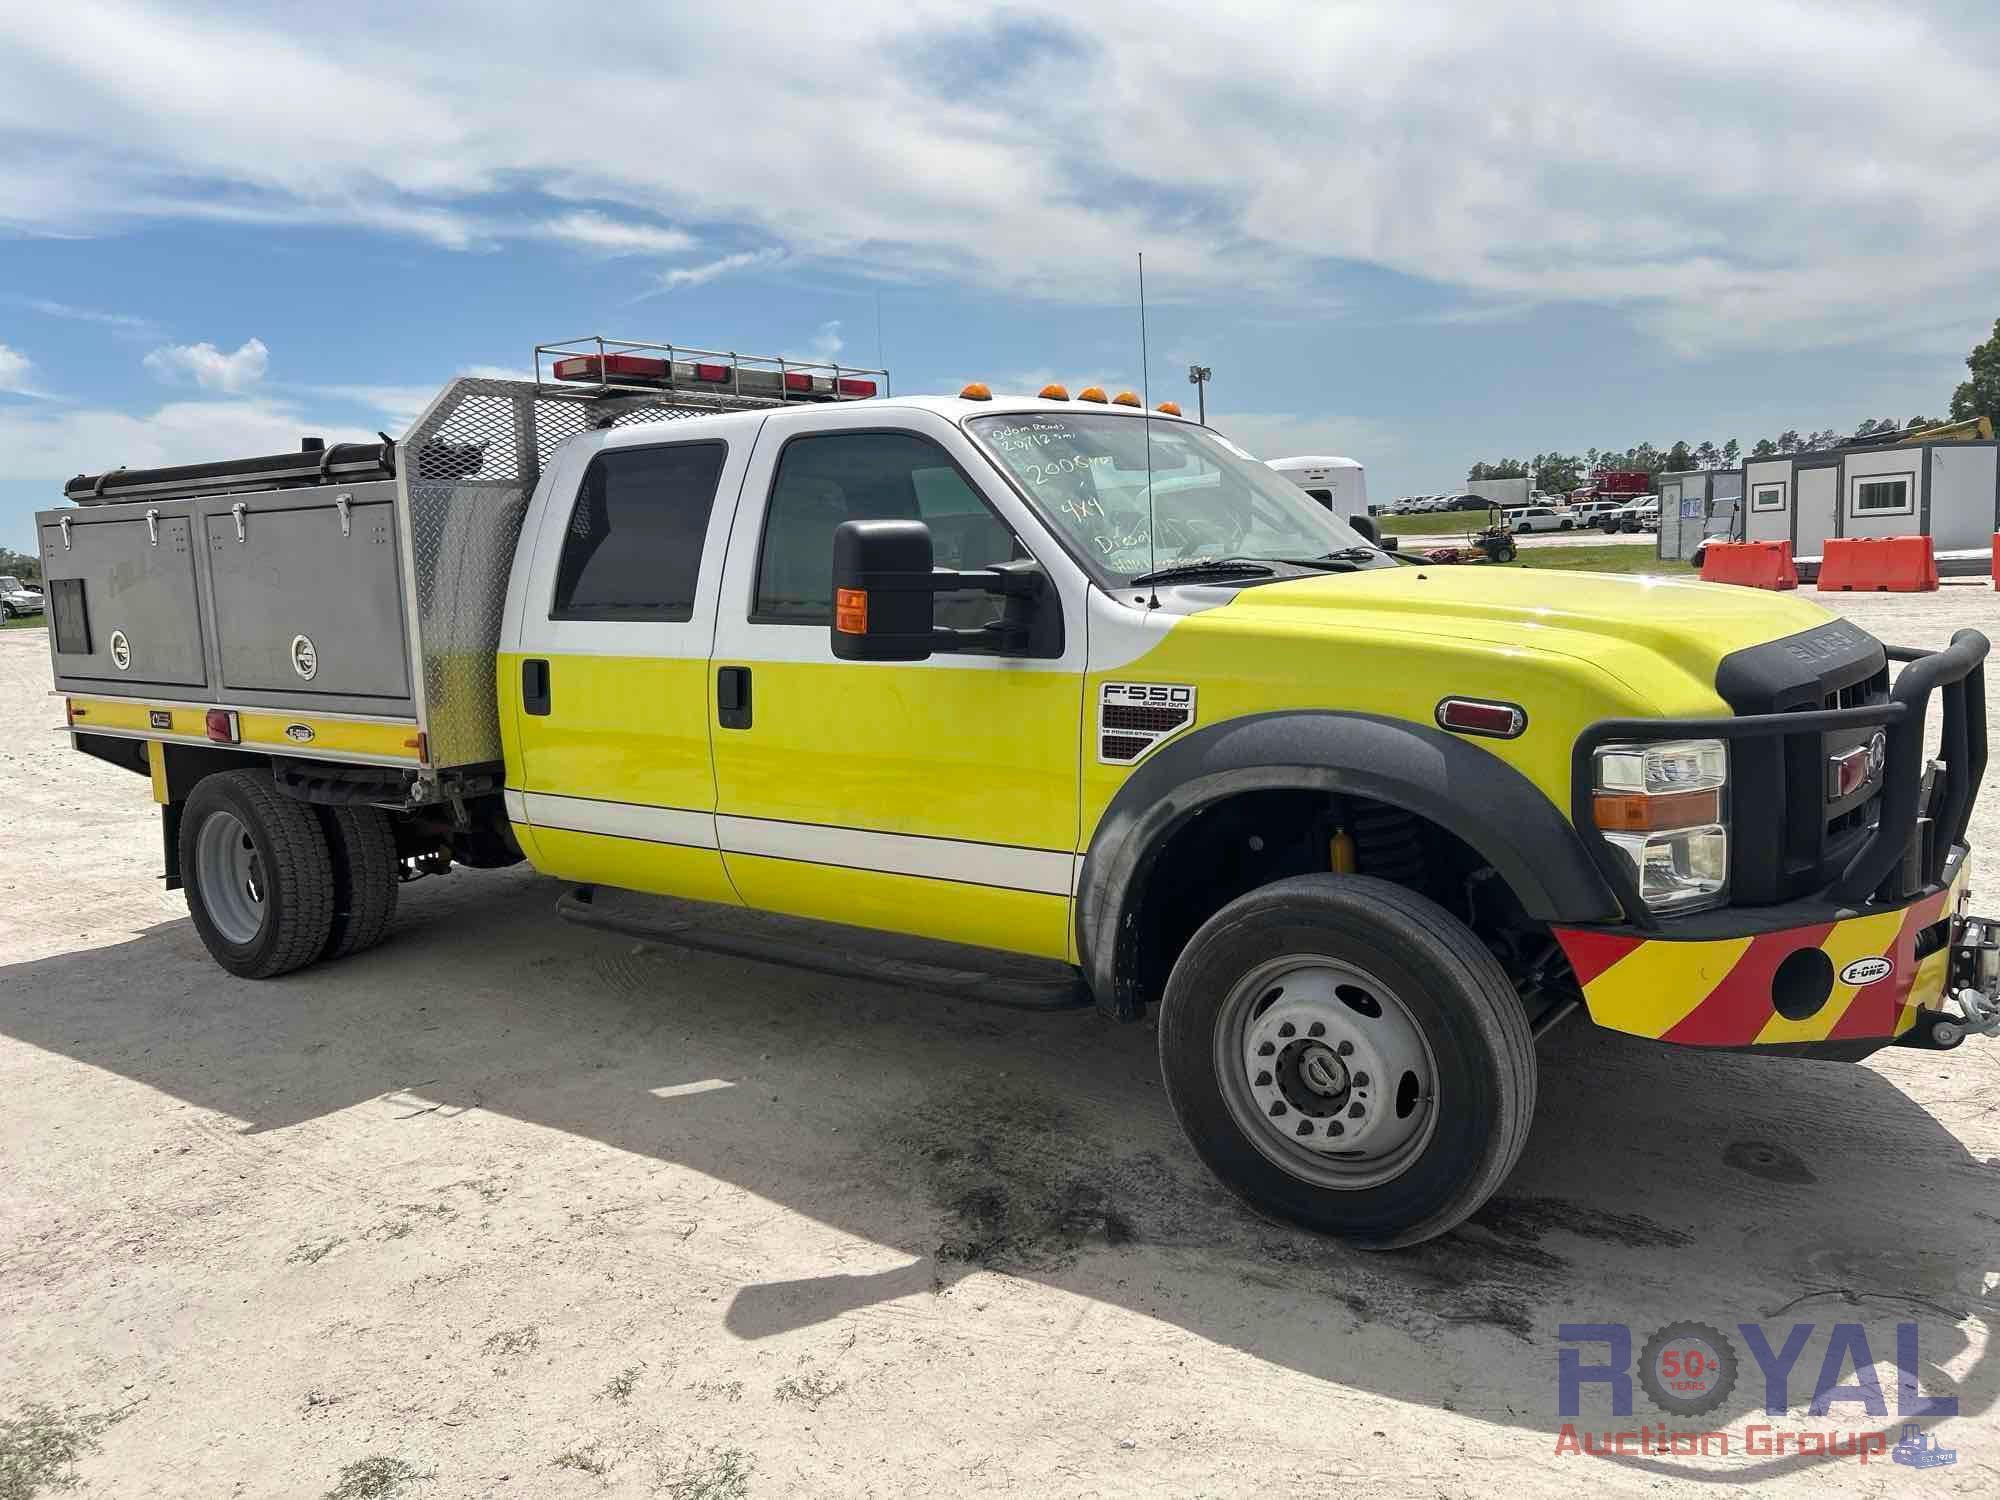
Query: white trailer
point(1340, 484)
point(1503, 492)
point(1695, 505)
point(1948, 491)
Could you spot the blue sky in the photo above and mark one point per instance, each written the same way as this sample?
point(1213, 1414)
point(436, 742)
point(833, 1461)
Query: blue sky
point(1417, 233)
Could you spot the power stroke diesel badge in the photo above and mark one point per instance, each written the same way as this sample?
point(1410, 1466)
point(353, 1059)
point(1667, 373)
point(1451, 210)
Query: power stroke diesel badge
point(1132, 717)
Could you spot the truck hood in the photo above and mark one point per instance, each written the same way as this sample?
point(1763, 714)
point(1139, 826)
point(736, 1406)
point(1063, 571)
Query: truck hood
point(1662, 638)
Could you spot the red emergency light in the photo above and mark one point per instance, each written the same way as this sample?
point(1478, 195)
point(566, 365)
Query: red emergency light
point(628, 367)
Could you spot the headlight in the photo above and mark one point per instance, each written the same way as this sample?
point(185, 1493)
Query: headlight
point(1665, 807)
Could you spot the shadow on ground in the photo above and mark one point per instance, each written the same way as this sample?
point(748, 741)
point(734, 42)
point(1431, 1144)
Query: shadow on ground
point(1660, 1185)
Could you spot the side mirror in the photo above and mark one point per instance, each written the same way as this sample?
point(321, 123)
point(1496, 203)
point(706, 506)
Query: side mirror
point(1390, 543)
point(882, 591)
point(885, 586)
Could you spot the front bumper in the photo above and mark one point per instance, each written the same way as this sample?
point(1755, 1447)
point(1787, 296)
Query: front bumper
point(1859, 963)
point(1840, 987)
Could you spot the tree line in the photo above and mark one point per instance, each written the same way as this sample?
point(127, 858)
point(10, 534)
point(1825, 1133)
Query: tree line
point(1557, 472)
point(19, 564)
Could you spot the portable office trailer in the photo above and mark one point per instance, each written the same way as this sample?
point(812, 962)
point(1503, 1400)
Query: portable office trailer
point(1691, 504)
point(1948, 491)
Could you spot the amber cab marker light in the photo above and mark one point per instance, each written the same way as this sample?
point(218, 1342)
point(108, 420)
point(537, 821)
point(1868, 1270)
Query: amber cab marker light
point(975, 390)
point(1500, 721)
point(850, 611)
point(1054, 392)
point(1171, 408)
point(1091, 393)
point(1127, 398)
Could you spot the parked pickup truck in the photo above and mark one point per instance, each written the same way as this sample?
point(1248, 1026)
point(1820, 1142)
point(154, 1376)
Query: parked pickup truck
point(1067, 679)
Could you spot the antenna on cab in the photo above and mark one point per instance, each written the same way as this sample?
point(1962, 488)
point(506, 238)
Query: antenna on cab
point(1146, 390)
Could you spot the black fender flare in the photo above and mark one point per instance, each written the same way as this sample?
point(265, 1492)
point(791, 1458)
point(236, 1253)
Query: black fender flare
point(1476, 796)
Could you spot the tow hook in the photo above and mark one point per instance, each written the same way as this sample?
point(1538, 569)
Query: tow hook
point(1974, 987)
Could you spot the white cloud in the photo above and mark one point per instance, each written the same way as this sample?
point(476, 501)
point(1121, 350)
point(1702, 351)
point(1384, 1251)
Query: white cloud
point(683, 277)
point(129, 323)
point(14, 369)
point(54, 443)
point(209, 367)
point(1784, 173)
point(594, 231)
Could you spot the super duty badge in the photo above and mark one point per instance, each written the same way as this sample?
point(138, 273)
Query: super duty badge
point(1132, 717)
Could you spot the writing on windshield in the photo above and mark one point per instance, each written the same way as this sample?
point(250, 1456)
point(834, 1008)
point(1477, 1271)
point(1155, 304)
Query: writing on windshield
point(1089, 474)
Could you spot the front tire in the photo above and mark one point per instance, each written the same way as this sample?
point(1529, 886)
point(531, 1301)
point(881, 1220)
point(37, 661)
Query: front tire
point(1346, 1055)
point(258, 876)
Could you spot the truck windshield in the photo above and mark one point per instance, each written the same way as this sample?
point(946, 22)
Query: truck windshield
point(1087, 474)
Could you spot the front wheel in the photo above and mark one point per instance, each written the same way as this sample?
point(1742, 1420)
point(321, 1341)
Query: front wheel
point(1346, 1055)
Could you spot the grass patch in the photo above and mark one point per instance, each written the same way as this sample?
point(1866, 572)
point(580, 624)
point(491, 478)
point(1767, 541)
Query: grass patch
point(24, 622)
point(514, 1341)
point(1610, 557)
point(619, 1387)
point(809, 1388)
point(1440, 523)
point(716, 1474)
point(40, 1447)
point(377, 1478)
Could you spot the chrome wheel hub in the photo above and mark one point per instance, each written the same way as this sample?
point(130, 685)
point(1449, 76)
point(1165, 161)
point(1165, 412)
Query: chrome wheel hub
point(1325, 1070)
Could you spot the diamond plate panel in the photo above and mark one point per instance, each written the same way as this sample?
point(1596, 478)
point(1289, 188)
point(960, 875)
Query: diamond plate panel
point(469, 465)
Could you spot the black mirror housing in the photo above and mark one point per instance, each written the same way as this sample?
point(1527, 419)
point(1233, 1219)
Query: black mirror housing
point(882, 591)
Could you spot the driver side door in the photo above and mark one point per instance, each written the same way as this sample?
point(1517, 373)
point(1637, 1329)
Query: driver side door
point(937, 798)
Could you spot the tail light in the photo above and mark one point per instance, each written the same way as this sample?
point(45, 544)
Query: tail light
point(222, 726)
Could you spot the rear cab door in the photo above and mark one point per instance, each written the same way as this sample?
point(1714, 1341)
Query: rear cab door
point(604, 682)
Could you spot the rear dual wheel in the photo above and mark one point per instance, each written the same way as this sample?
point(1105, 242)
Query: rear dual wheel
point(1346, 1055)
point(273, 884)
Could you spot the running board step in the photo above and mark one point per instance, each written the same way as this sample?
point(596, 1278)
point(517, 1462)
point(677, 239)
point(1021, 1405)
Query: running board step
point(980, 975)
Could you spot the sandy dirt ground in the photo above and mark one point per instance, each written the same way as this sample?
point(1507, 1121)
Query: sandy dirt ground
point(512, 1208)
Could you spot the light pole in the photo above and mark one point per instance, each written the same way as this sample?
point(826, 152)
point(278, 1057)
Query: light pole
point(1198, 377)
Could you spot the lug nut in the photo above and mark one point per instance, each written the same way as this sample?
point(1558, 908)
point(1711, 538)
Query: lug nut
point(1355, 1111)
point(1318, 1028)
point(1277, 1108)
point(1361, 1080)
point(1267, 1049)
point(1305, 1127)
point(1345, 1049)
point(1263, 1080)
point(1334, 1127)
point(1288, 1029)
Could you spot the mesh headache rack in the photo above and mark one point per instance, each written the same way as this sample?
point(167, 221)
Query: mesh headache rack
point(598, 376)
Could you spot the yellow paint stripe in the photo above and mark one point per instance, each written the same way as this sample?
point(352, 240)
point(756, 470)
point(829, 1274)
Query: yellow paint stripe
point(1931, 975)
point(1857, 937)
point(1652, 988)
point(260, 729)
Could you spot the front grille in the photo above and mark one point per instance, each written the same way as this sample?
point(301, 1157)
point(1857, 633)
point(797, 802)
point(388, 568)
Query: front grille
point(1789, 839)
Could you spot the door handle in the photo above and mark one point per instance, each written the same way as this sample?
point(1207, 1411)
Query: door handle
point(534, 686)
point(732, 697)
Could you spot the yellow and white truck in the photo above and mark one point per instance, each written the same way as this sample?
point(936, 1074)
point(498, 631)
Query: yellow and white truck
point(1064, 678)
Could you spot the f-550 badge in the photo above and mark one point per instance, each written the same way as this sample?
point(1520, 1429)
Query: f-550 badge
point(1133, 717)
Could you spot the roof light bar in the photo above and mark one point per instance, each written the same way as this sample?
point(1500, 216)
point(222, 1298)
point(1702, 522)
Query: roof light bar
point(610, 364)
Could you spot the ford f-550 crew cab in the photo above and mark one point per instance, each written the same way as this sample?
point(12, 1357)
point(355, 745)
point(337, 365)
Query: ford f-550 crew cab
point(1065, 678)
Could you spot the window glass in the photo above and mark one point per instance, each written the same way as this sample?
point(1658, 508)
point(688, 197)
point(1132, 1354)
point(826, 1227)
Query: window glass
point(1768, 497)
point(1882, 494)
point(633, 547)
point(866, 476)
point(1105, 481)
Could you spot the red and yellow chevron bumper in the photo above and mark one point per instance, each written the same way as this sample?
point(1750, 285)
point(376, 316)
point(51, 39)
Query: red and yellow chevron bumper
point(1719, 992)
